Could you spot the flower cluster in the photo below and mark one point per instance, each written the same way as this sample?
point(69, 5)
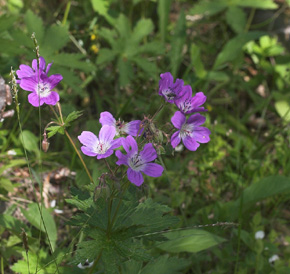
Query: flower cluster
point(189, 130)
point(36, 80)
point(104, 145)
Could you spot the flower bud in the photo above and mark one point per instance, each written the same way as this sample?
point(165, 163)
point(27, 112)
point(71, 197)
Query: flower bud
point(45, 143)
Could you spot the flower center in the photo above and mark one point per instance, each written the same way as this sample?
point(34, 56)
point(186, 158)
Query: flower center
point(186, 130)
point(169, 94)
point(43, 89)
point(136, 162)
point(185, 106)
point(101, 148)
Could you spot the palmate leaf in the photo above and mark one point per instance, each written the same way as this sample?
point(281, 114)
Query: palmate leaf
point(34, 24)
point(73, 116)
point(53, 130)
point(151, 217)
point(143, 28)
point(7, 21)
point(109, 35)
point(106, 56)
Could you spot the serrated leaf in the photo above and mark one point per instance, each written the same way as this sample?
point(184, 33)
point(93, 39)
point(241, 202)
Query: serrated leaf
point(236, 19)
point(12, 224)
point(165, 265)
point(191, 240)
point(143, 28)
point(53, 130)
point(149, 67)
point(123, 26)
point(73, 60)
point(151, 47)
point(11, 47)
point(109, 35)
point(34, 24)
point(100, 6)
point(90, 250)
point(73, 116)
point(56, 37)
point(105, 56)
point(125, 71)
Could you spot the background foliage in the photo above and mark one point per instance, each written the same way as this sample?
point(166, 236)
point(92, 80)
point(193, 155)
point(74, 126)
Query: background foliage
point(110, 54)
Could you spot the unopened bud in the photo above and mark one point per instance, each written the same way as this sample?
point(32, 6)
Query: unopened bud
point(45, 143)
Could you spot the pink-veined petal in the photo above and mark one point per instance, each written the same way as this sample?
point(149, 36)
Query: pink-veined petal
point(148, 154)
point(178, 119)
point(87, 151)
point(175, 139)
point(130, 142)
point(88, 139)
point(135, 177)
point(201, 134)
point(196, 119)
point(107, 134)
point(51, 99)
point(153, 170)
point(106, 118)
point(190, 143)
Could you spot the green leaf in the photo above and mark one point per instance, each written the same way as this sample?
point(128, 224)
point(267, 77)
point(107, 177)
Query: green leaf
point(209, 7)
point(6, 184)
point(265, 188)
point(34, 24)
point(32, 214)
point(165, 265)
point(123, 26)
point(109, 35)
point(105, 56)
point(191, 240)
point(178, 41)
point(258, 4)
point(73, 61)
point(11, 47)
point(100, 6)
point(236, 19)
point(125, 71)
point(234, 47)
point(283, 109)
point(12, 163)
point(12, 224)
point(218, 76)
point(29, 141)
point(163, 10)
point(73, 116)
point(56, 37)
point(6, 22)
point(151, 217)
point(152, 47)
point(53, 130)
point(196, 61)
point(143, 28)
point(149, 67)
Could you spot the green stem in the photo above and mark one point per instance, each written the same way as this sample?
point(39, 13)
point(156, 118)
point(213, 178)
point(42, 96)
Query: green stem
point(71, 141)
point(95, 263)
point(67, 9)
point(80, 157)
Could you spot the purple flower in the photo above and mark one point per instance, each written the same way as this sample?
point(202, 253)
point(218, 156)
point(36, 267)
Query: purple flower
point(26, 71)
point(130, 128)
point(188, 104)
point(169, 90)
point(101, 147)
point(138, 162)
point(41, 89)
point(189, 131)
